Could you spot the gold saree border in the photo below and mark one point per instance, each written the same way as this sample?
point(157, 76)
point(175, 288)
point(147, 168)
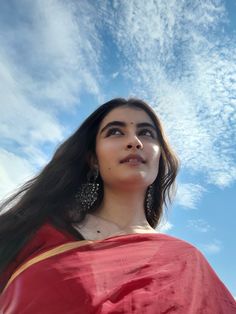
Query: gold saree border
point(52, 252)
point(58, 250)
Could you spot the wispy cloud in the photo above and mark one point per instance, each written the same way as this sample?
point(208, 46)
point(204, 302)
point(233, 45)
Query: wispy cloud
point(188, 195)
point(14, 170)
point(164, 227)
point(19, 118)
point(189, 74)
point(55, 47)
point(49, 56)
point(51, 52)
point(115, 74)
point(213, 247)
point(199, 225)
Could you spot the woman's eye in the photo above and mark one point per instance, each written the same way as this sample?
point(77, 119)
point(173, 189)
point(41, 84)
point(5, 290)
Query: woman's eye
point(114, 132)
point(146, 133)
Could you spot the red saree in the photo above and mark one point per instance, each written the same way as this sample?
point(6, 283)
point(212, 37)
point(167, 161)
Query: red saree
point(137, 273)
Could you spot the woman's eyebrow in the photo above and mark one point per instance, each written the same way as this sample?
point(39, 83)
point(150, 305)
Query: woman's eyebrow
point(146, 124)
point(113, 123)
point(123, 124)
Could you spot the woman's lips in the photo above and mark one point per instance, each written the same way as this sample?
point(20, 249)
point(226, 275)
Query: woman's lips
point(133, 162)
point(133, 158)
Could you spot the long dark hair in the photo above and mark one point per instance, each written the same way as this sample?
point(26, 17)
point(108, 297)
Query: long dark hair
point(50, 196)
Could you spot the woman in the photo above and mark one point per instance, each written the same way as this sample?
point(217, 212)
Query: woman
point(80, 237)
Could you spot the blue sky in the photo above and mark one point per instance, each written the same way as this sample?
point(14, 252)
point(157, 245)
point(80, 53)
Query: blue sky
point(60, 59)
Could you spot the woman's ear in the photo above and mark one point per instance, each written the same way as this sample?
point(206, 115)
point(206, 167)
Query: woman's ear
point(92, 160)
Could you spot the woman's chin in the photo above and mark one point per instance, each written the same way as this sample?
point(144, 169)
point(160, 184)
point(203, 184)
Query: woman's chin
point(137, 180)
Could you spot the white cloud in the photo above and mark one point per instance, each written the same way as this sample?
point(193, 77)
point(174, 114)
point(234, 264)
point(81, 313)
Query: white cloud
point(188, 195)
point(115, 74)
point(213, 247)
point(35, 155)
point(49, 55)
point(164, 227)
point(199, 225)
point(14, 171)
point(60, 50)
point(19, 119)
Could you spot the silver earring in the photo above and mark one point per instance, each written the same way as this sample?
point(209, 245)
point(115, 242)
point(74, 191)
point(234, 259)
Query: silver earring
point(88, 192)
point(149, 199)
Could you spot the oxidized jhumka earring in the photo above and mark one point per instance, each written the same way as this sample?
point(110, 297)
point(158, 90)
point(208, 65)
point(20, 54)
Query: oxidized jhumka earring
point(149, 199)
point(88, 192)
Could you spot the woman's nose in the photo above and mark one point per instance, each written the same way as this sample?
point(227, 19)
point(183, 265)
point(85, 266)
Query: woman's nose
point(135, 143)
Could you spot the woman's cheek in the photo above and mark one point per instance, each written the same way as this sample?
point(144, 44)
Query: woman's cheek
point(156, 152)
point(107, 161)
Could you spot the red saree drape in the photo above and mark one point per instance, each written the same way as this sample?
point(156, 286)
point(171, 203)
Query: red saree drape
point(137, 273)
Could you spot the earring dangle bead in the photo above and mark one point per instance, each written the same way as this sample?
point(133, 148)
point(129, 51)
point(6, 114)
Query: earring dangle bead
point(149, 199)
point(88, 192)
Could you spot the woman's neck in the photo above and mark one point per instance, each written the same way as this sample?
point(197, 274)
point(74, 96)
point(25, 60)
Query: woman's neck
point(124, 208)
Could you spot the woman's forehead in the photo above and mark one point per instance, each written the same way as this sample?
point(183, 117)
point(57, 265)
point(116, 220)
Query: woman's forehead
point(126, 114)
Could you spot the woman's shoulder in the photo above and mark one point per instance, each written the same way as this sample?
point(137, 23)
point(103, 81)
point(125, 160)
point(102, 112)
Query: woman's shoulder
point(172, 245)
point(175, 240)
point(164, 244)
point(167, 239)
point(45, 237)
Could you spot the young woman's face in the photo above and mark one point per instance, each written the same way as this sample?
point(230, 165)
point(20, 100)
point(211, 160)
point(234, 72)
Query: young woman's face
point(127, 148)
